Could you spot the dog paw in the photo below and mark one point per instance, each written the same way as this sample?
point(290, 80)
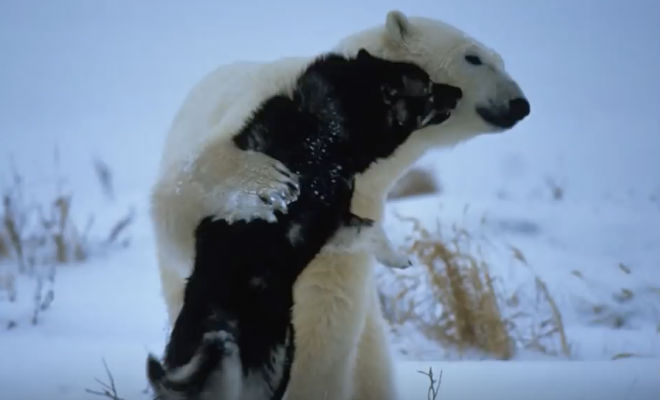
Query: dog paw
point(221, 341)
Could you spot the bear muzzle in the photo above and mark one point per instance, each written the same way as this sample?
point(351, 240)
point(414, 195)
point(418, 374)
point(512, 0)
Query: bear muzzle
point(516, 111)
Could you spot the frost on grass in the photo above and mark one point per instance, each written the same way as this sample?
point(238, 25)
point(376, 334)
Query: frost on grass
point(453, 299)
point(37, 236)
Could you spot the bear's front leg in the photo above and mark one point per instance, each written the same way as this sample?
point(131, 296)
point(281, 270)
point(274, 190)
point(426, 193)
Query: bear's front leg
point(329, 313)
point(244, 184)
point(359, 234)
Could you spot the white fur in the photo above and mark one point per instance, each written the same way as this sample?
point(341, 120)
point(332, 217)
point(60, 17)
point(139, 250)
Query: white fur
point(255, 384)
point(341, 338)
point(369, 239)
point(227, 380)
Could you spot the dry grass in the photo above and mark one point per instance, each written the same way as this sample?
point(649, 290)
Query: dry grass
point(555, 323)
point(45, 232)
point(455, 300)
point(12, 218)
point(616, 306)
point(8, 285)
point(462, 307)
point(120, 227)
point(104, 176)
point(35, 237)
point(626, 269)
point(622, 356)
point(556, 189)
point(4, 245)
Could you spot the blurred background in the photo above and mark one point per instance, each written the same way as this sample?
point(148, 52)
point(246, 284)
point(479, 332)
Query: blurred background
point(559, 215)
point(106, 77)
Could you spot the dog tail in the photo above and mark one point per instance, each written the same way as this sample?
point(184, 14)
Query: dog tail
point(188, 380)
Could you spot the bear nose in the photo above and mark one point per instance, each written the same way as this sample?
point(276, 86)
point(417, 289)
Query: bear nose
point(518, 108)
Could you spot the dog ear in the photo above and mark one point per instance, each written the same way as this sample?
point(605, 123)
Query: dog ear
point(414, 86)
point(363, 54)
point(389, 93)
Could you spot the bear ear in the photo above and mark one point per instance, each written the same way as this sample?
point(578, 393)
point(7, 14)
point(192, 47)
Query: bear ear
point(397, 26)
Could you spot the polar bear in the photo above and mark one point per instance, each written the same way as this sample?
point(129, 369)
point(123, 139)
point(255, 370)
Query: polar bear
point(344, 115)
point(341, 341)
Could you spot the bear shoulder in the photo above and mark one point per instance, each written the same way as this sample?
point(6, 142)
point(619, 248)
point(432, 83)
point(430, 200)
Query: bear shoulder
point(218, 106)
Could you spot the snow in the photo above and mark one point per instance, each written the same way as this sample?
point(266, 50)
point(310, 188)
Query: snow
point(82, 81)
point(577, 250)
point(110, 309)
point(619, 380)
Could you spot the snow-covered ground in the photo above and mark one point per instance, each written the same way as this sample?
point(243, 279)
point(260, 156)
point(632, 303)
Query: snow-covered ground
point(599, 262)
point(574, 189)
point(110, 309)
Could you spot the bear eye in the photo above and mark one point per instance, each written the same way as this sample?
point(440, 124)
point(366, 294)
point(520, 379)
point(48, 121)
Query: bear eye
point(474, 60)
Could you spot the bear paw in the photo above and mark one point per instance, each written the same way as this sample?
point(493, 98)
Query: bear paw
point(393, 259)
point(259, 187)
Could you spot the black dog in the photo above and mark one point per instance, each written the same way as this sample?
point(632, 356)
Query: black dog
point(233, 337)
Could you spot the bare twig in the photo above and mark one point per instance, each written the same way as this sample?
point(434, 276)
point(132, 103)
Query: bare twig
point(109, 389)
point(120, 226)
point(626, 269)
point(104, 174)
point(621, 356)
point(555, 189)
point(434, 385)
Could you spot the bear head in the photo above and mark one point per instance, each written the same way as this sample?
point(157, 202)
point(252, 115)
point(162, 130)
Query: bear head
point(492, 101)
point(372, 105)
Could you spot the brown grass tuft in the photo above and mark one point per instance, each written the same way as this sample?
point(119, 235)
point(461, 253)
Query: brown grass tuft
point(57, 225)
point(462, 309)
point(454, 300)
point(11, 223)
point(556, 323)
point(45, 233)
point(35, 237)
